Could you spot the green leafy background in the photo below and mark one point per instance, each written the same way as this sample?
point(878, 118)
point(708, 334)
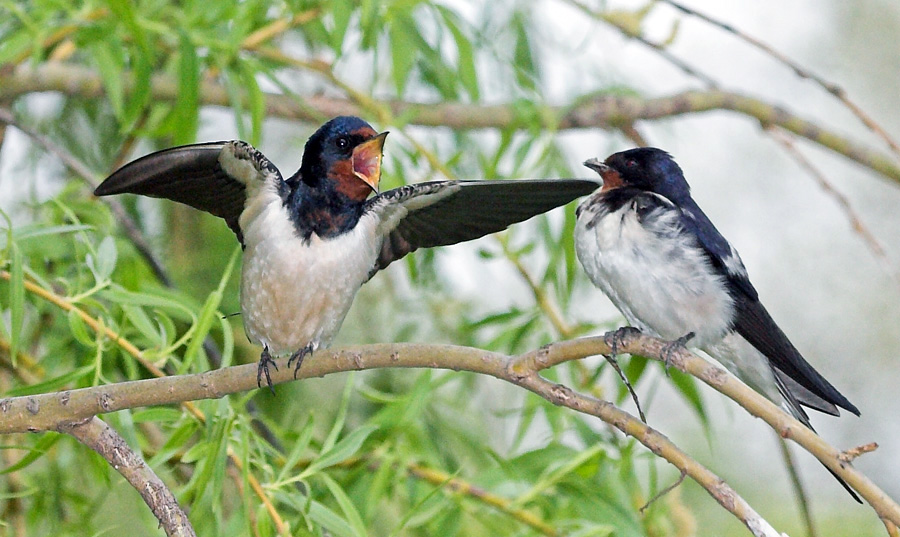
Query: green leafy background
point(383, 452)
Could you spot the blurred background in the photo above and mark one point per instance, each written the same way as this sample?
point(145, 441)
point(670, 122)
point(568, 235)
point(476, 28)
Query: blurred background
point(101, 83)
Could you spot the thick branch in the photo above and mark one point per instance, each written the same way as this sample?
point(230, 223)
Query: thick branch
point(103, 439)
point(603, 111)
point(47, 411)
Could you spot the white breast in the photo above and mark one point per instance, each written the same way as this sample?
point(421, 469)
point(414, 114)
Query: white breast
point(294, 292)
point(657, 276)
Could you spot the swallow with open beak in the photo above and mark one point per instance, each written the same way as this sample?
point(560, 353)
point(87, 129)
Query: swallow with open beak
point(311, 241)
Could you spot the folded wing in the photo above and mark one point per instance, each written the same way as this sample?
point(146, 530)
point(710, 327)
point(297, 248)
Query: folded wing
point(756, 325)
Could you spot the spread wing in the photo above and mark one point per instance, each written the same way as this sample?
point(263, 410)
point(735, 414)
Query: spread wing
point(213, 177)
point(447, 212)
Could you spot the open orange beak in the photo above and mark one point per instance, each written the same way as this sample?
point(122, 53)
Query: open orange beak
point(366, 160)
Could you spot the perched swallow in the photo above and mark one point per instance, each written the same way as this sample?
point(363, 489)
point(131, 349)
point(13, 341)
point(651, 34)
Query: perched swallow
point(644, 241)
point(312, 240)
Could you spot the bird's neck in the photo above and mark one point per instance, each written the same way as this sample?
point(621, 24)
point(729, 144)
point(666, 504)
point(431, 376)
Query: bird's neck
point(323, 211)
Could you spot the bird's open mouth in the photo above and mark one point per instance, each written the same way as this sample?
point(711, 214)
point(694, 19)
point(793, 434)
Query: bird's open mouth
point(611, 177)
point(366, 160)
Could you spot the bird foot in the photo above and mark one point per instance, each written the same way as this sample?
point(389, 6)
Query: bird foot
point(299, 355)
point(671, 347)
point(264, 360)
point(618, 338)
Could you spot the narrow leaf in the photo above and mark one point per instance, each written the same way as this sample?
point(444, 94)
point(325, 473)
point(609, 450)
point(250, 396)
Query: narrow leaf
point(187, 108)
point(16, 301)
point(341, 451)
point(40, 448)
point(53, 384)
point(346, 504)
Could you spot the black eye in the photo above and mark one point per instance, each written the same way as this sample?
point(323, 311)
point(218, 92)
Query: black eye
point(630, 163)
point(342, 142)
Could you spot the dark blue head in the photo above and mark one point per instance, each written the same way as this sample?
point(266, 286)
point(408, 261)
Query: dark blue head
point(644, 168)
point(344, 156)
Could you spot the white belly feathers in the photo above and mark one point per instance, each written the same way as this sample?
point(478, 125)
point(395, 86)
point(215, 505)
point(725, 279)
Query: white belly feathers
point(655, 275)
point(295, 292)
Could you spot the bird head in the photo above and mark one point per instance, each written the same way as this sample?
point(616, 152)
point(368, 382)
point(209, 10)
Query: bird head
point(347, 152)
point(644, 168)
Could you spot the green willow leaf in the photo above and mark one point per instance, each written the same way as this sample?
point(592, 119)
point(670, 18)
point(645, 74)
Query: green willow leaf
point(404, 49)
point(37, 451)
point(686, 385)
point(187, 106)
point(16, 301)
point(55, 383)
point(351, 514)
point(341, 451)
point(109, 58)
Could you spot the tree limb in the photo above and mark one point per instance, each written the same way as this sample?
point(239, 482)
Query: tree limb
point(599, 111)
point(97, 435)
point(47, 411)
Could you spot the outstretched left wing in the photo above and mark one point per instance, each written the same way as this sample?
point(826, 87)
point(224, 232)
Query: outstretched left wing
point(212, 177)
point(440, 213)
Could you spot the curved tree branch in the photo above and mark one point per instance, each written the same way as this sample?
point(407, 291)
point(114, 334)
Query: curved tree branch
point(97, 435)
point(47, 411)
point(600, 111)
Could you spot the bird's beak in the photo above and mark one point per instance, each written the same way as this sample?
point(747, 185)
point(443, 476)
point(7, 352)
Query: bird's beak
point(366, 160)
point(597, 165)
point(611, 178)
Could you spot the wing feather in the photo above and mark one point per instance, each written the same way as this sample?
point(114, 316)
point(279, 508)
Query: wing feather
point(440, 213)
point(754, 323)
point(212, 177)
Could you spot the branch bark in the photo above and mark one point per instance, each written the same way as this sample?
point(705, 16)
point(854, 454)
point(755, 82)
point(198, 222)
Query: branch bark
point(103, 439)
point(600, 111)
point(48, 411)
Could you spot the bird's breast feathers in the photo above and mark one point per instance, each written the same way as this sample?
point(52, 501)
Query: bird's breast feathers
point(653, 270)
point(296, 291)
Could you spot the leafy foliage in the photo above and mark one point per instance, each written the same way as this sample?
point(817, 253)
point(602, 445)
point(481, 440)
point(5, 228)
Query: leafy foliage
point(384, 453)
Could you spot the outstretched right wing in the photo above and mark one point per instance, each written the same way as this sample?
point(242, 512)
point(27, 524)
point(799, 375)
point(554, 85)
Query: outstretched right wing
point(440, 213)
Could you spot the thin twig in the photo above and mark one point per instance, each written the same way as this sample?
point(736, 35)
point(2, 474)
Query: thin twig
point(103, 439)
point(856, 222)
point(278, 27)
point(849, 454)
point(610, 18)
point(500, 503)
point(634, 397)
point(832, 88)
point(797, 484)
point(280, 525)
point(664, 491)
